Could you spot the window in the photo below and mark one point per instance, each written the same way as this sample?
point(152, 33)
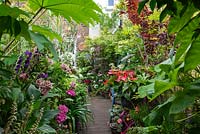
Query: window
point(110, 2)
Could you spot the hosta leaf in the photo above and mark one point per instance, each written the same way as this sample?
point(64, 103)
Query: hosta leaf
point(192, 57)
point(82, 11)
point(47, 32)
point(42, 42)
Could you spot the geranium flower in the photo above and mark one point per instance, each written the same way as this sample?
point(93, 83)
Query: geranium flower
point(63, 108)
point(60, 118)
point(71, 92)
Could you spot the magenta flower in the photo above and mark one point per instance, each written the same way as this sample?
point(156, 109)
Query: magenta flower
point(63, 109)
point(60, 118)
point(71, 92)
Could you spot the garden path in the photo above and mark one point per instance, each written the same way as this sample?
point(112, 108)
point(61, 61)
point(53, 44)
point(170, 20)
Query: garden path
point(100, 108)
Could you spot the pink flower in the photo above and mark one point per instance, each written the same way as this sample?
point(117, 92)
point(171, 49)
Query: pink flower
point(60, 118)
point(71, 92)
point(72, 84)
point(23, 76)
point(119, 121)
point(63, 109)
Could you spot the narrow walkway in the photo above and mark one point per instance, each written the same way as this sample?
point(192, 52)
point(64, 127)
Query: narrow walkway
point(100, 108)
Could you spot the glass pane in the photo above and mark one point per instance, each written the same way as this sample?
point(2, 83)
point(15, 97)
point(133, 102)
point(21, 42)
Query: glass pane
point(110, 2)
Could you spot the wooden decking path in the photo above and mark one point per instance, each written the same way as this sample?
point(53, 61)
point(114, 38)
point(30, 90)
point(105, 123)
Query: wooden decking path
point(100, 108)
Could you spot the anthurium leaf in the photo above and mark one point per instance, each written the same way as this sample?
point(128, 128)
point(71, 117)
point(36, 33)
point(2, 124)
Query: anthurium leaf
point(84, 11)
point(13, 12)
point(192, 57)
point(42, 42)
point(47, 32)
point(184, 38)
point(160, 87)
point(181, 102)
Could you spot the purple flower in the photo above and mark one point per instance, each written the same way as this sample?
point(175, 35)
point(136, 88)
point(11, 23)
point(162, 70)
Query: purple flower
point(27, 61)
point(71, 92)
point(63, 109)
point(60, 118)
point(19, 62)
point(28, 53)
point(43, 75)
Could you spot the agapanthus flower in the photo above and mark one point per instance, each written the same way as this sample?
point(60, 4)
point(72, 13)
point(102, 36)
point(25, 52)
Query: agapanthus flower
point(71, 92)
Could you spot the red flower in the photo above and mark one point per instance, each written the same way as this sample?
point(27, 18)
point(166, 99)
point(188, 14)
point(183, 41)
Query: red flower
point(105, 82)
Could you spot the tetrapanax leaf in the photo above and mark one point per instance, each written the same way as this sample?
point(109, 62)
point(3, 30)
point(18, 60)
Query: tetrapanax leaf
point(42, 42)
point(82, 11)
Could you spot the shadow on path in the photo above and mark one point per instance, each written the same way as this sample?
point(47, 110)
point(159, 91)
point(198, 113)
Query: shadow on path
point(100, 108)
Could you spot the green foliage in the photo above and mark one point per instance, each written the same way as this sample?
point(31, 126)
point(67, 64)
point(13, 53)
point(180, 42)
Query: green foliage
point(84, 11)
point(42, 42)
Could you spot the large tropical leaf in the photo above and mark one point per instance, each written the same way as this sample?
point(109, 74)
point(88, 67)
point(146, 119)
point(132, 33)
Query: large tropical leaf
point(42, 42)
point(181, 102)
point(13, 12)
point(162, 86)
point(47, 32)
point(184, 38)
point(82, 11)
point(178, 22)
point(192, 57)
